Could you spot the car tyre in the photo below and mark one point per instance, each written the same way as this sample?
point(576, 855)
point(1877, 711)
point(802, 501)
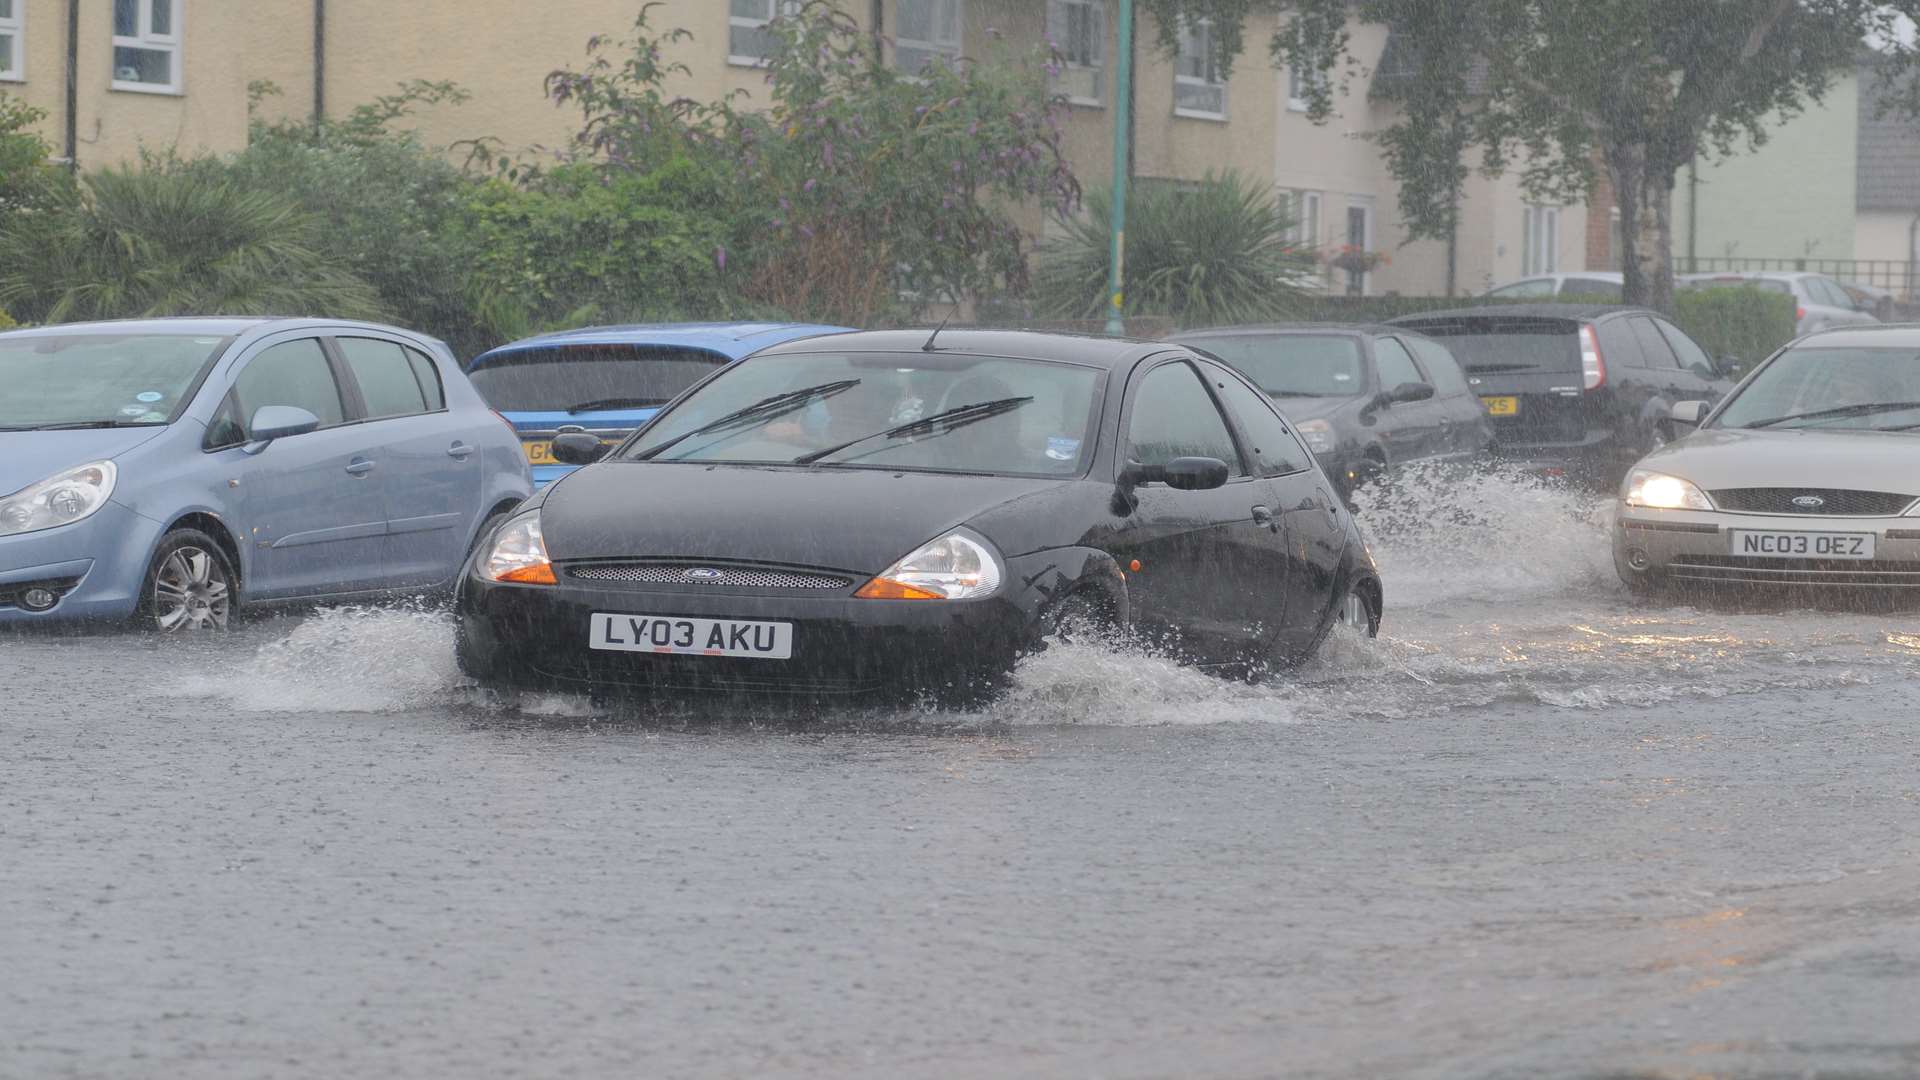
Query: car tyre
point(189, 585)
point(1359, 610)
point(1082, 617)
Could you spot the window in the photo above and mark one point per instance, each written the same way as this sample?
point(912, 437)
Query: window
point(929, 31)
point(1822, 291)
point(386, 378)
point(1299, 83)
point(1597, 288)
point(1174, 416)
point(295, 373)
point(429, 376)
point(1198, 89)
point(1078, 28)
point(1441, 367)
point(1359, 238)
point(748, 41)
point(13, 47)
point(1535, 287)
point(225, 429)
point(1275, 451)
point(1690, 353)
point(146, 45)
point(1540, 240)
point(1303, 207)
point(1395, 363)
point(1653, 348)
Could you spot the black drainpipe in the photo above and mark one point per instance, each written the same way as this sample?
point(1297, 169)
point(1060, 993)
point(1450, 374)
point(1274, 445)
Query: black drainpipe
point(879, 10)
point(319, 63)
point(73, 85)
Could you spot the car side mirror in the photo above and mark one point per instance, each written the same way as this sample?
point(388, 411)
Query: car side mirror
point(1731, 367)
point(1689, 413)
point(1184, 473)
point(578, 448)
point(1405, 393)
point(272, 422)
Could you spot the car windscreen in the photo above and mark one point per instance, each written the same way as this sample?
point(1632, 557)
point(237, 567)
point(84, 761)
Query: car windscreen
point(941, 412)
point(1495, 345)
point(1871, 389)
point(1292, 365)
point(587, 378)
point(100, 379)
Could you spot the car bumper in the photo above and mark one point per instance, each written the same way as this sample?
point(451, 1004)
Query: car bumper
point(95, 566)
point(1695, 548)
point(841, 645)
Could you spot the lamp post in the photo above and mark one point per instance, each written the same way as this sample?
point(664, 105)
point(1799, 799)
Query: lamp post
point(1117, 218)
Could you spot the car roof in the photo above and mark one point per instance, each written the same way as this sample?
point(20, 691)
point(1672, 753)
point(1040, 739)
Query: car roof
point(730, 339)
point(1880, 336)
point(1520, 311)
point(1289, 328)
point(222, 325)
point(1109, 352)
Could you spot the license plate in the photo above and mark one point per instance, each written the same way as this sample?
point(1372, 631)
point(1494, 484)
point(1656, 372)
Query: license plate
point(691, 637)
point(1501, 406)
point(539, 451)
point(1802, 545)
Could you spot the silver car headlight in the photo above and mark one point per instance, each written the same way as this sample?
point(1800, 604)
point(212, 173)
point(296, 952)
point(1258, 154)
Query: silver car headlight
point(60, 499)
point(957, 566)
point(1318, 435)
point(1662, 492)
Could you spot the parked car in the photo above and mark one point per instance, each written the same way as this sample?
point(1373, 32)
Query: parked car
point(883, 509)
point(1819, 301)
point(608, 380)
point(1580, 389)
point(1808, 475)
point(172, 470)
point(1365, 398)
point(1870, 298)
point(1588, 285)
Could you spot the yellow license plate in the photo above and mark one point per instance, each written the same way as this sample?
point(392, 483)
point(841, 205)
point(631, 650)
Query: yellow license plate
point(539, 451)
point(1502, 406)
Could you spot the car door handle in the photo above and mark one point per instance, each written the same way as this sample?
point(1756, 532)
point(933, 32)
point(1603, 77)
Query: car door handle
point(359, 467)
point(459, 450)
point(1263, 515)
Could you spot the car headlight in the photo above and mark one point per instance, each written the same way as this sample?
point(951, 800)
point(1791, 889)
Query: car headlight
point(1662, 492)
point(60, 499)
point(957, 566)
point(519, 553)
point(1318, 434)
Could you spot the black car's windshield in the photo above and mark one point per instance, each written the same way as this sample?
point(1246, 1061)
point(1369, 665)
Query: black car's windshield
point(98, 379)
point(1001, 415)
point(1292, 365)
point(587, 378)
point(1491, 345)
point(1873, 389)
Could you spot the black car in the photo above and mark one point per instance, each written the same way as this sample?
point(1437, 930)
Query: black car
point(1580, 389)
point(1365, 398)
point(890, 509)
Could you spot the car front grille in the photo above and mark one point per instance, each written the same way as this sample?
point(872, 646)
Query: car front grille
point(1747, 570)
point(1834, 502)
point(739, 577)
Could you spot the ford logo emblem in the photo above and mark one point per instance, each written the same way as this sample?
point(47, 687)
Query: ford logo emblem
point(1809, 502)
point(703, 573)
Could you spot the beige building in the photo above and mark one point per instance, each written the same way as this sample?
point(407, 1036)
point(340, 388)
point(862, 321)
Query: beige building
point(117, 76)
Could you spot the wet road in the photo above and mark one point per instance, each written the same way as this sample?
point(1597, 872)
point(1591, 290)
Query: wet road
point(1537, 830)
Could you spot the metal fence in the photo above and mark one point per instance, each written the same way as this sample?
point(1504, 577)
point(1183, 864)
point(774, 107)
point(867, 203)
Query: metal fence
point(1894, 275)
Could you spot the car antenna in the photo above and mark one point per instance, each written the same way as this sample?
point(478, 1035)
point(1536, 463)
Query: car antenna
point(928, 347)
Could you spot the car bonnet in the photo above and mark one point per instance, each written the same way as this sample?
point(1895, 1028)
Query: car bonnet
point(1775, 457)
point(28, 457)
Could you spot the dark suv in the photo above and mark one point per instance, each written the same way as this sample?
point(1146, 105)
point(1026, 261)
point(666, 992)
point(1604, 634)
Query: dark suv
point(1581, 389)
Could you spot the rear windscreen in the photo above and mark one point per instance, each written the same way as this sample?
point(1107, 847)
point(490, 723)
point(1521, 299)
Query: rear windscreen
point(581, 378)
point(1486, 346)
point(1292, 365)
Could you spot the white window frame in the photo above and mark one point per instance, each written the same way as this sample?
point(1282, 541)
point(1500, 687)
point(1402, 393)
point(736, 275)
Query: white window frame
point(1298, 80)
point(1540, 241)
point(773, 9)
point(949, 49)
point(1363, 203)
point(148, 40)
point(1306, 209)
point(15, 27)
point(1199, 32)
point(1097, 9)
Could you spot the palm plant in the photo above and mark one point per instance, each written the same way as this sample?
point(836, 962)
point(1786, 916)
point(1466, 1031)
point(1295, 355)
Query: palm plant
point(161, 240)
point(1210, 254)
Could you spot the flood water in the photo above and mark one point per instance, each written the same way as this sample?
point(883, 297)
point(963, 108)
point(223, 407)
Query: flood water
point(1537, 829)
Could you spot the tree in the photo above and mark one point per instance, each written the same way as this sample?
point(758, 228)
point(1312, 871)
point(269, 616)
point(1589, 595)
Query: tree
point(1639, 86)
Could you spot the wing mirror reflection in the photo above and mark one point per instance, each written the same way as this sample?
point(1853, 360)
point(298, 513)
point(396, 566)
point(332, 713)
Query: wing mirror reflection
point(272, 422)
point(578, 448)
point(1731, 367)
point(1184, 473)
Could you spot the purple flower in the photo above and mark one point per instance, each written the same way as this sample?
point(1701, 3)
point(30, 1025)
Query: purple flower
point(807, 187)
point(720, 257)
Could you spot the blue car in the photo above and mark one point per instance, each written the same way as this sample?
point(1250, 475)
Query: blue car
point(608, 380)
point(170, 471)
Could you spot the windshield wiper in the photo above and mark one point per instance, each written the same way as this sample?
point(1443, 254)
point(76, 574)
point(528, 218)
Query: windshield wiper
point(82, 425)
point(616, 403)
point(764, 409)
point(1840, 412)
point(947, 421)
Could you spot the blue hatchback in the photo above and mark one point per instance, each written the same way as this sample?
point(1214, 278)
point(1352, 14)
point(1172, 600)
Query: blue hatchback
point(608, 380)
point(174, 469)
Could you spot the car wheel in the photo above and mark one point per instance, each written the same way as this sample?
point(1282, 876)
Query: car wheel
point(1082, 617)
point(1656, 438)
point(190, 585)
point(1359, 611)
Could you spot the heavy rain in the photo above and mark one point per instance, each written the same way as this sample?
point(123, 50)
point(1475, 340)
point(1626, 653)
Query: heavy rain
point(1120, 538)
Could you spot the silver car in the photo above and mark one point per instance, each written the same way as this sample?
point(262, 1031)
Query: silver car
point(1807, 475)
point(1819, 302)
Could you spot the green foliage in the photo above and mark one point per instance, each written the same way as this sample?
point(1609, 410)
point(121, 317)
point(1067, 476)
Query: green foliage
point(6, 320)
point(26, 178)
point(163, 240)
point(1745, 322)
point(1208, 255)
